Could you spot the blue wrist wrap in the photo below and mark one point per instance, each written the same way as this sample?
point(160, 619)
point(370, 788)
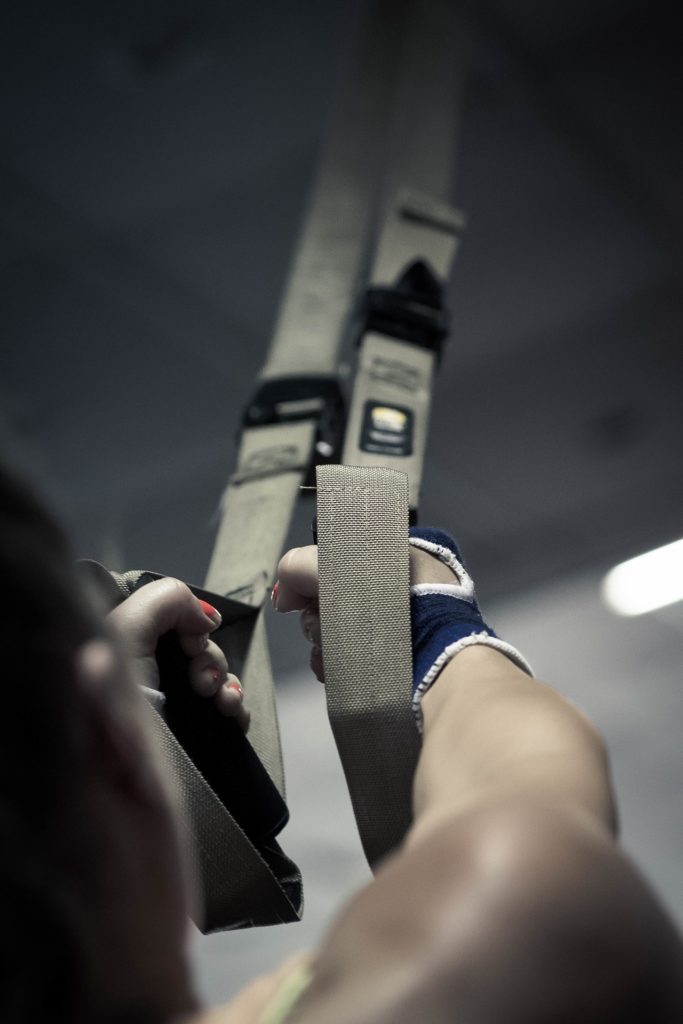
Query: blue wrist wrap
point(445, 618)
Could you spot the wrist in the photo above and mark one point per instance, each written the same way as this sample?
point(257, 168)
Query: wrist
point(445, 616)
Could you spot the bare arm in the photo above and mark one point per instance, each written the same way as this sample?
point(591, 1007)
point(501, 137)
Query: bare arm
point(509, 900)
point(493, 733)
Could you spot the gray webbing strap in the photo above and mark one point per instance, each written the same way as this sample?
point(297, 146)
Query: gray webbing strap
point(313, 319)
point(239, 887)
point(399, 68)
point(365, 623)
point(332, 253)
point(419, 225)
point(273, 458)
point(256, 510)
point(362, 508)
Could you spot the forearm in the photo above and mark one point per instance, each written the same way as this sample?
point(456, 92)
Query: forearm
point(509, 897)
point(494, 734)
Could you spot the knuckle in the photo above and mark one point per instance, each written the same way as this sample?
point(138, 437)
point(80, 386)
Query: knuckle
point(176, 588)
point(284, 565)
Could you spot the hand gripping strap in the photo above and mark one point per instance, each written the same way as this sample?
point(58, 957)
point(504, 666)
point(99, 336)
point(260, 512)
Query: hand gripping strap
point(241, 882)
point(365, 622)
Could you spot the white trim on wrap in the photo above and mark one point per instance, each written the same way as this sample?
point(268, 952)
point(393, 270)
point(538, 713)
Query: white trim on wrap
point(447, 589)
point(465, 586)
point(449, 652)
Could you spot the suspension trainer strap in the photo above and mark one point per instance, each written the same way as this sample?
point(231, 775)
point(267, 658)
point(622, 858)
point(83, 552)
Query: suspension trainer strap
point(297, 410)
point(363, 505)
point(405, 320)
point(295, 415)
point(255, 518)
point(406, 324)
point(230, 808)
point(241, 886)
point(332, 258)
point(393, 121)
point(365, 624)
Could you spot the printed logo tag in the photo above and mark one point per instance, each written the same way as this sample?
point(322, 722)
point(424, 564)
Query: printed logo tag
point(386, 429)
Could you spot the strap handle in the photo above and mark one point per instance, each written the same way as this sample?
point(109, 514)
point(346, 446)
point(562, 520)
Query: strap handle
point(365, 621)
point(245, 878)
point(241, 886)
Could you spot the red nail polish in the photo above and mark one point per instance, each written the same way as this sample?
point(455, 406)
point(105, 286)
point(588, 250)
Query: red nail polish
point(238, 687)
point(211, 612)
point(275, 592)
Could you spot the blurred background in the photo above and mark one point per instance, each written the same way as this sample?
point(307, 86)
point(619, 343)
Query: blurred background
point(154, 162)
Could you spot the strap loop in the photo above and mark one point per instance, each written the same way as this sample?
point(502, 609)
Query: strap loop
point(362, 527)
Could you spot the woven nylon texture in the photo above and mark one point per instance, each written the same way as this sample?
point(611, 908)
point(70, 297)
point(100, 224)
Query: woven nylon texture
point(257, 507)
point(238, 886)
point(255, 515)
point(365, 622)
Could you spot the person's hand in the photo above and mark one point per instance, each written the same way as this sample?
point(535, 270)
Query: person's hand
point(297, 590)
point(165, 605)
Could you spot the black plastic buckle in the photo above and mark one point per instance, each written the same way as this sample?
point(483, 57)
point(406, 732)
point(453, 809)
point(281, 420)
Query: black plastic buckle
point(289, 399)
point(412, 310)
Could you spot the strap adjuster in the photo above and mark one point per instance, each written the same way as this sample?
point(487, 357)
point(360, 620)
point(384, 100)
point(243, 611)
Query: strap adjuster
point(412, 310)
point(291, 399)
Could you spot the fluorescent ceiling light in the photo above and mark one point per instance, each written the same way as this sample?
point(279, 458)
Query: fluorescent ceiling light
point(647, 582)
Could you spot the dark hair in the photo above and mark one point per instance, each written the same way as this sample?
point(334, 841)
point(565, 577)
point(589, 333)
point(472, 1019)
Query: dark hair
point(47, 891)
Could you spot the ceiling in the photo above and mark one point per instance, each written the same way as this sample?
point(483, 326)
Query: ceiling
point(154, 159)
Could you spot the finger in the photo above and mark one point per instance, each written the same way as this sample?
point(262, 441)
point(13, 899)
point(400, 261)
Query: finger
point(208, 671)
point(193, 644)
point(316, 663)
point(244, 719)
point(159, 607)
point(297, 578)
point(310, 623)
point(230, 701)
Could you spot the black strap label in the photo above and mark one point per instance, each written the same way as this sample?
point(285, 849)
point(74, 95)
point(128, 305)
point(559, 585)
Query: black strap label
point(386, 429)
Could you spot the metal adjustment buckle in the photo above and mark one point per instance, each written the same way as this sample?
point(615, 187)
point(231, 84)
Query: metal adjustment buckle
point(412, 310)
point(289, 399)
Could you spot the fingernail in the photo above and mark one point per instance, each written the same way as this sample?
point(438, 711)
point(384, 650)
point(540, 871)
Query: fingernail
point(236, 686)
point(211, 612)
point(275, 593)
